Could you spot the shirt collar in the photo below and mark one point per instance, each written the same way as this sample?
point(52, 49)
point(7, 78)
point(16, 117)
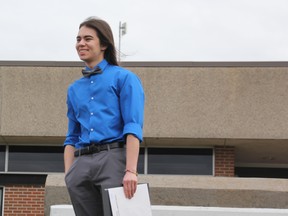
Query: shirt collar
point(102, 65)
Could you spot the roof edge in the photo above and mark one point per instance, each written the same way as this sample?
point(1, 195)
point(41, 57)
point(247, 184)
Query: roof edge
point(151, 64)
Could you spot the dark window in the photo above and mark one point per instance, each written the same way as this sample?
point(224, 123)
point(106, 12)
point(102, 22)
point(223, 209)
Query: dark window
point(140, 167)
point(180, 161)
point(2, 158)
point(261, 172)
point(35, 159)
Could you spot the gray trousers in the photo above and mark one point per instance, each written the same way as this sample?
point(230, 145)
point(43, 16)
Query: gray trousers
point(87, 173)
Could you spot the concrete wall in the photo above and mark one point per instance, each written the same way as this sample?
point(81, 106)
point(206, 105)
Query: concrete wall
point(216, 102)
point(181, 102)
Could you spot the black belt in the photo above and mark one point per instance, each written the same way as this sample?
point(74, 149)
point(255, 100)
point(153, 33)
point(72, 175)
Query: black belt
point(95, 148)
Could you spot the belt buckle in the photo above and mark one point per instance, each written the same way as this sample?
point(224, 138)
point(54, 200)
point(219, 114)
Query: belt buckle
point(93, 148)
point(98, 148)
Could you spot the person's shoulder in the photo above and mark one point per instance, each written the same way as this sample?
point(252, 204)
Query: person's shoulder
point(75, 83)
point(121, 71)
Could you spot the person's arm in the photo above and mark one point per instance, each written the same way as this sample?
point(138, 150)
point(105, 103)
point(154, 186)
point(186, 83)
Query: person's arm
point(132, 109)
point(68, 157)
point(72, 136)
point(130, 179)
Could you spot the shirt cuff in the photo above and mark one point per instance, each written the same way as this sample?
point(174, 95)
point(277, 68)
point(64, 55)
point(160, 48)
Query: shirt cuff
point(135, 129)
point(70, 141)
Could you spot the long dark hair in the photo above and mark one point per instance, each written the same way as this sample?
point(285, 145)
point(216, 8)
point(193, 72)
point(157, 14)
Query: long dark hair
point(105, 36)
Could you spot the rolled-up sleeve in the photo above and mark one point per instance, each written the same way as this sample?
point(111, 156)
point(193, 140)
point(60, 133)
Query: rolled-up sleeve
point(132, 101)
point(74, 130)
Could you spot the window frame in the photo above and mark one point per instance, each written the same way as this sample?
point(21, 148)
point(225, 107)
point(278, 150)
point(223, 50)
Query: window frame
point(3, 151)
point(1, 200)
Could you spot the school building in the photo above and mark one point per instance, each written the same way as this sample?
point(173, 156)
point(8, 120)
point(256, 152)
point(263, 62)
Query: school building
point(215, 133)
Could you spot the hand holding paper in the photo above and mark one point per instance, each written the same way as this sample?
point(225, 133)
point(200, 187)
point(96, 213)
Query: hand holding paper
point(139, 205)
point(130, 184)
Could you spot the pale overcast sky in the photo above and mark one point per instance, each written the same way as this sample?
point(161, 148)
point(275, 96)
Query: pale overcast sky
point(157, 30)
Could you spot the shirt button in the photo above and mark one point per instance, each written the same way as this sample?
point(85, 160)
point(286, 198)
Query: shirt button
point(92, 113)
point(92, 98)
point(91, 129)
point(92, 81)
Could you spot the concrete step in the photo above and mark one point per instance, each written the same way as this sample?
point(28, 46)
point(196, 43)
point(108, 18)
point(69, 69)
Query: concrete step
point(160, 210)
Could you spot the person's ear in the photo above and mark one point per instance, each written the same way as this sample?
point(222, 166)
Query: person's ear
point(103, 48)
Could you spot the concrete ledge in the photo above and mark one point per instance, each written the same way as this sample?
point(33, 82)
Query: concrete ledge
point(214, 211)
point(198, 182)
point(205, 191)
point(61, 210)
point(67, 210)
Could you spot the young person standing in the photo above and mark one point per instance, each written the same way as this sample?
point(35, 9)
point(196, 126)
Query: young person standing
point(105, 111)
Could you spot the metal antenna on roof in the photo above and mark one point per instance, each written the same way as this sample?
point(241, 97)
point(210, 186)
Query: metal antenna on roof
point(122, 32)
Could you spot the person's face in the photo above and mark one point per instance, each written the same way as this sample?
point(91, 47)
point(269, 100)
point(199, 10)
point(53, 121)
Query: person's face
point(88, 46)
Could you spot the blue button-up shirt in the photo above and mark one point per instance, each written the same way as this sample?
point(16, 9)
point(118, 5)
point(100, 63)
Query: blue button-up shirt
point(104, 108)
